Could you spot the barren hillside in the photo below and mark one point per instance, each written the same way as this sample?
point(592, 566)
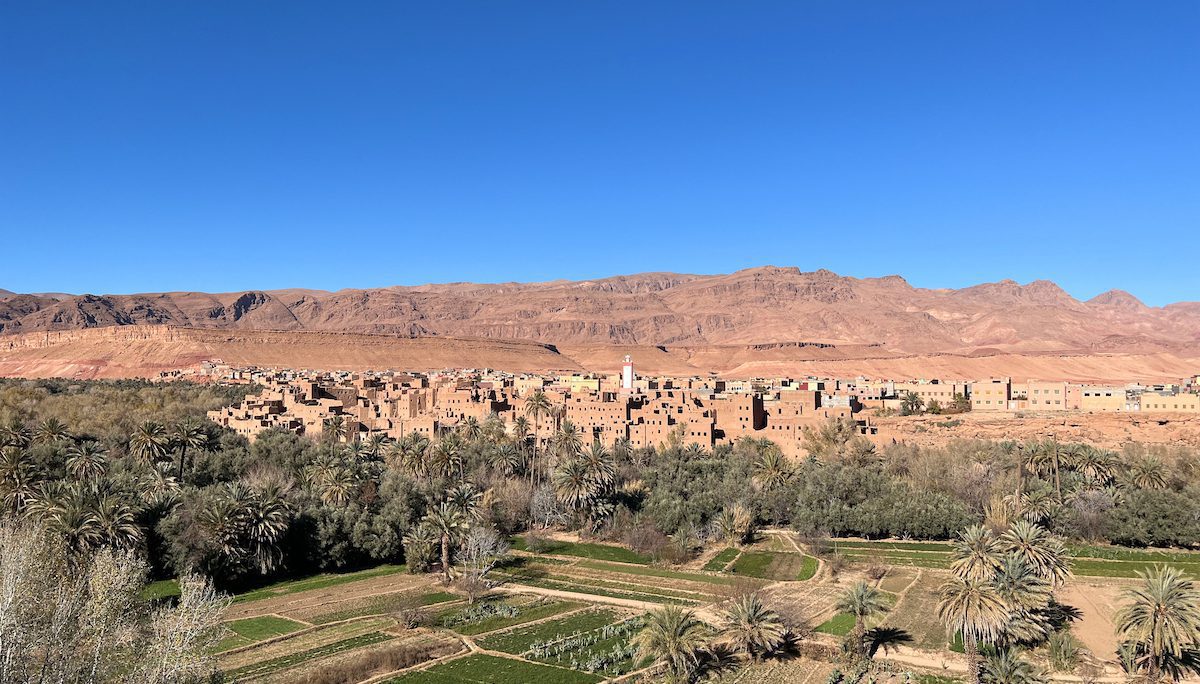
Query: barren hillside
point(751, 307)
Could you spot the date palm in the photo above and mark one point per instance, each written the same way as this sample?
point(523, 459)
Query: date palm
point(448, 522)
point(573, 484)
point(1161, 621)
point(752, 628)
point(150, 442)
point(1043, 552)
point(116, 523)
point(189, 434)
point(772, 469)
point(334, 428)
point(1024, 593)
point(1008, 667)
point(973, 608)
point(599, 464)
point(470, 429)
point(51, 431)
point(537, 406)
point(18, 478)
point(447, 457)
point(567, 441)
point(976, 554)
point(15, 434)
point(1147, 473)
point(863, 601)
point(86, 461)
point(672, 636)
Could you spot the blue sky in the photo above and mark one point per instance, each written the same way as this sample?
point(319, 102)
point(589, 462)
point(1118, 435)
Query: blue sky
point(228, 145)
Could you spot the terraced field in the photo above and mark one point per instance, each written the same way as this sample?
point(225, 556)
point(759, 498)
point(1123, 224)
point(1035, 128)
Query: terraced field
point(594, 641)
point(488, 669)
point(1087, 561)
point(619, 580)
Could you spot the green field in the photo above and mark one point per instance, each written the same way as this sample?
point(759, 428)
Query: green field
point(379, 605)
point(606, 552)
point(264, 627)
point(722, 559)
point(525, 611)
point(488, 669)
point(775, 565)
point(1086, 561)
point(838, 625)
point(654, 572)
point(162, 589)
point(321, 581)
point(519, 639)
point(808, 569)
point(292, 659)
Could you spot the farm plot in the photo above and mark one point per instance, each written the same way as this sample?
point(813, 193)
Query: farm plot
point(309, 598)
point(608, 552)
point(916, 612)
point(325, 612)
point(305, 641)
point(809, 603)
point(497, 613)
point(1086, 561)
point(520, 639)
point(359, 664)
point(481, 668)
point(654, 585)
point(718, 562)
point(775, 565)
point(596, 641)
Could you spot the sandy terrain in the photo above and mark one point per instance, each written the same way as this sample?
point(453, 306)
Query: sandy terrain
point(145, 351)
point(1111, 430)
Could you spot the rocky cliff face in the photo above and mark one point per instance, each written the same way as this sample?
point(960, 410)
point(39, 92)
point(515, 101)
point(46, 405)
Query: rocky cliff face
point(754, 306)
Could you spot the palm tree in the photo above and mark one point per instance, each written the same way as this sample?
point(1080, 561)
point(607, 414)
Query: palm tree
point(1162, 621)
point(976, 554)
point(1007, 667)
point(116, 523)
point(573, 484)
point(448, 522)
point(753, 628)
point(86, 461)
point(1044, 553)
point(520, 431)
point(1147, 473)
point(537, 406)
point(51, 431)
point(149, 442)
point(973, 608)
point(188, 434)
point(15, 434)
point(567, 441)
point(599, 464)
point(18, 477)
point(333, 428)
point(863, 601)
point(771, 470)
point(672, 636)
point(1025, 594)
point(447, 456)
point(470, 429)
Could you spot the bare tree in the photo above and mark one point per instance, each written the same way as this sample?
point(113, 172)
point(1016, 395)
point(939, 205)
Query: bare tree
point(482, 549)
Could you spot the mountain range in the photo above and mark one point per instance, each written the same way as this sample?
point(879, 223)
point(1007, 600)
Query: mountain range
point(758, 306)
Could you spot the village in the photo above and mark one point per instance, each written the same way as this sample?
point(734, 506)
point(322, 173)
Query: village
point(645, 411)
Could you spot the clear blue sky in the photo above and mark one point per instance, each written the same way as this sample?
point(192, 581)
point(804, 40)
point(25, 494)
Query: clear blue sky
point(234, 145)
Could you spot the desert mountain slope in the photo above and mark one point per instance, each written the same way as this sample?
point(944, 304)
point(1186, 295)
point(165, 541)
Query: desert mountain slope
point(754, 306)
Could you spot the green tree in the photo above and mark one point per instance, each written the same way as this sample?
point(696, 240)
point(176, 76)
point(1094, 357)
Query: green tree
point(974, 609)
point(672, 636)
point(752, 628)
point(448, 522)
point(1162, 622)
point(863, 601)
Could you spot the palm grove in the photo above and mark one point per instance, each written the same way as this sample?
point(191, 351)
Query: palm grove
point(133, 471)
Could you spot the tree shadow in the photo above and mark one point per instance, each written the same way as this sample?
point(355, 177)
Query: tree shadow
point(885, 639)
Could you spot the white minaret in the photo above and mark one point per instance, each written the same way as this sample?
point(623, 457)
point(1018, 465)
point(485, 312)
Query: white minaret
point(627, 375)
